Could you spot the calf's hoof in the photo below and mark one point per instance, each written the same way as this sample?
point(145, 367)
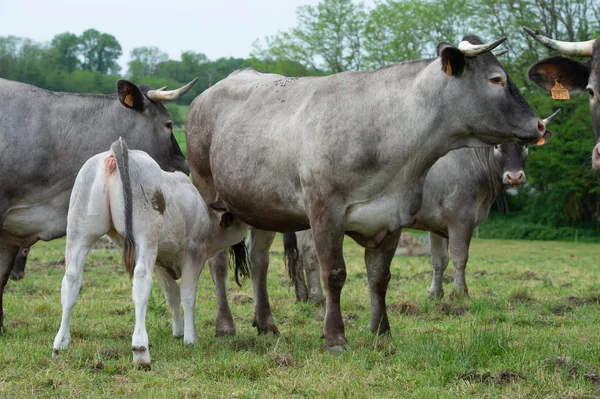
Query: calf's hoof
point(224, 332)
point(436, 295)
point(267, 328)
point(336, 344)
point(141, 357)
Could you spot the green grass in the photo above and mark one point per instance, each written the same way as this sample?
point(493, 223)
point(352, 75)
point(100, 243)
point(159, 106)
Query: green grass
point(530, 330)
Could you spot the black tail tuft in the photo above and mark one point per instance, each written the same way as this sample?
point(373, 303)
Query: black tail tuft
point(238, 261)
point(290, 250)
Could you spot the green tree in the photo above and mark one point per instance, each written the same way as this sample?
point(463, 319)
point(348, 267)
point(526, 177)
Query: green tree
point(64, 52)
point(144, 61)
point(100, 51)
point(328, 36)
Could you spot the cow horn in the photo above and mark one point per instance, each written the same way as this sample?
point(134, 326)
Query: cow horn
point(575, 49)
point(548, 119)
point(161, 88)
point(499, 53)
point(471, 50)
point(159, 95)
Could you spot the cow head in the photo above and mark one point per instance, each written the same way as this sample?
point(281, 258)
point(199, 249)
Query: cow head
point(153, 124)
point(18, 270)
point(488, 102)
point(571, 75)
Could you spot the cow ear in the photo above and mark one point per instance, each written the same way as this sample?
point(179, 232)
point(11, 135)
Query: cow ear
point(545, 139)
point(560, 72)
point(130, 95)
point(453, 60)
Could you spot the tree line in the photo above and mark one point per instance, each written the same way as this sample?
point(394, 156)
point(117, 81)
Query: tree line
point(339, 35)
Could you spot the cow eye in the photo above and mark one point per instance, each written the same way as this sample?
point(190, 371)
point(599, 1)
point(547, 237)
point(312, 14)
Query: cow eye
point(169, 125)
point(497, 80)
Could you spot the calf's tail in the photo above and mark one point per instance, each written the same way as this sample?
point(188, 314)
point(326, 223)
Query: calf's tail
point(120, 150)
point(238, 258)
point(290, 254)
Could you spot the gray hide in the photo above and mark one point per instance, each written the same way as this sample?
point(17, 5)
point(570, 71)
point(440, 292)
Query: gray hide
point(346, 153)
point(45, 138)
point(457, 195)
point(172, 228)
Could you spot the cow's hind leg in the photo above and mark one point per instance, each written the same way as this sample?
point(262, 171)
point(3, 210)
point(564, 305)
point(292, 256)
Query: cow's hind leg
point(460, 240)
point(328, 232)
point(77, 250)
point(142, 283)
point(8, 253)
point(438, 247)
point(172, 294)
point(310, 264)
point(218, 271)
point(259, 243)
point(378, 262)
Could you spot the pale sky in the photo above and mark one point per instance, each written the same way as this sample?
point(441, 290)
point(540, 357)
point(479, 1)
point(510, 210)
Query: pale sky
point(217, 28)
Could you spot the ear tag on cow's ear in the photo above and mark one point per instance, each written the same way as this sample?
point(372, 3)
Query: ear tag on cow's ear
point(448, 69)
point(129, 100)
point(541, 141)
point(559, 92)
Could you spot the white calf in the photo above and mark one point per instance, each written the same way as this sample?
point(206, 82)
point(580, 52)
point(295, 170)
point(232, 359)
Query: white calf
point(160, 218)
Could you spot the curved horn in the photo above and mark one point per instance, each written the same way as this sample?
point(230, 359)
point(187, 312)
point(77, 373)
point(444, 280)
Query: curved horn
point(499, 53)
point(161, 88)
point(548, 119)
point(575, 49)
point(472, 50)
point(159, 95)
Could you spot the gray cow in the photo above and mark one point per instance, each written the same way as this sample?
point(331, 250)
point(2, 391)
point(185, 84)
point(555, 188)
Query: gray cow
point(45, 138)
point(346, 153)
point(457, 195)
point(159, 218)
point(560, 73)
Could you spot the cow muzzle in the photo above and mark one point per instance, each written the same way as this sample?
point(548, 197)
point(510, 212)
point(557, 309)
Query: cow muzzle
point(596, 157)
point(514, 179)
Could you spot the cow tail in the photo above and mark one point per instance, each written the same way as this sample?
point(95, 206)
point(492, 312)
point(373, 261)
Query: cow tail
point(238, 261)
point(119, 148)
point(290, 254)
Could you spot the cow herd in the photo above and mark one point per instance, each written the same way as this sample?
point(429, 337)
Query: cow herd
point(427, 143)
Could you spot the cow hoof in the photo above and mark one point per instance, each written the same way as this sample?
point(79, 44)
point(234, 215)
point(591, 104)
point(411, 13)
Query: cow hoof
point(144, 366)
point(192, 341)
point(141, 356)
point(458, 295)
point(17, 277)
point(436, 295)
point(319, 302)
point(338, 348)
point(224, 332)
point(269, 329)
point(56, 353)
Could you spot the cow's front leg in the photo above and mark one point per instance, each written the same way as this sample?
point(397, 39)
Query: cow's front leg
point(460, 240)
point(218, 271)
point(328, 233)
point(8, 253)
point(259, 243)
point(142, 283)
point(378, 262)
point(77, 250)
point(438, 247)
point(189, 286)
point(172, 294)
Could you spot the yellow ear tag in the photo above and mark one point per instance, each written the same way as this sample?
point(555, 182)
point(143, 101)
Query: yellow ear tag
point(448, 69)
point(559, 92)
point(128, 100)
point(541, 141)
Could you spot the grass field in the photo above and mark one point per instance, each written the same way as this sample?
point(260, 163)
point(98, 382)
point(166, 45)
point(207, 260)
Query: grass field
point(530, 330)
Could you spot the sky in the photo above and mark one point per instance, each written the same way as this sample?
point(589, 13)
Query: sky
point(217, 28)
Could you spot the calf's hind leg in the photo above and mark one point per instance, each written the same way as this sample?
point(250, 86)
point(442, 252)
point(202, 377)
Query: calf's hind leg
point(438, 246)
point(77, 251)
point(172, 293)
point(259, 243)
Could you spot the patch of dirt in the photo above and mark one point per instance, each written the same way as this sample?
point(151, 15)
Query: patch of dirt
point(405, 308)
point(448, 309)
point(110, 354)
point(503, 377)
point(592, 298)
point(479, 273)
point(244, 345)
point(98, 367)
point(240, 299)
point(574, 368)
point(352, 316)
point(530, 275)
point(561, 310)
point(282, 359)
point(58, 264)
point(521, 296)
